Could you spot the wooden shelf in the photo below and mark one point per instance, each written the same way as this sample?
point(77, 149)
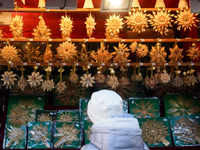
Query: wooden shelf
point(99, 40)
point(94, 10)
point(99, 64)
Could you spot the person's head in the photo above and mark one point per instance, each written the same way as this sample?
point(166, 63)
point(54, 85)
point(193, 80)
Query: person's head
point(104, 104)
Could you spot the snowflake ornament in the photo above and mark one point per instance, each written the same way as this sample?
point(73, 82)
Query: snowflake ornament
point(113, 81)
point(176, 54)
point(9, 53)
point(158, 54)
point(48, 85)
point(193, 52)
point(8, 79)
point(60, 87)
point(35, 79)
point(22, 83)
point(87, 80)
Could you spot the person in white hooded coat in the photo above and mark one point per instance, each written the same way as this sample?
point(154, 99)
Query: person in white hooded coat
point(112, 130)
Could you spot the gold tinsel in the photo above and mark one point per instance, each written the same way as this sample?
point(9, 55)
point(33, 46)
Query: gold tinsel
point(8, 79)
point(67, 134)
point(193, 52)
point(154, 131)
point(87, 80)
point(48, 57)
point(186, 19)
point(158, 54)
point(90, 25)
point(35, 79)
point(66, 26)
point(29, 53)
point(161, 21)
point(137, 21)
point(176, 54)
point(9, 53)
point(16, 26)
point(121, 53)
point(102, 55)
point(15, 134)
point(41, 30)
point(113, 26)
point(67, 51)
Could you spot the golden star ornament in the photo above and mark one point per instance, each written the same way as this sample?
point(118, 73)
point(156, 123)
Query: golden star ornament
point(193, 52)
point(9, 53)
point(16, 26)
point(8, 79)
point(90, 25)
point(35, 79)
point(158, 54)
point(66, 26)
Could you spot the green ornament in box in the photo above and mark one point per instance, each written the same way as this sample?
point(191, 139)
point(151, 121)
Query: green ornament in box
point(15, 137)
point(186, 130)
point(179, 104)
point(46, 115)
point(67, 135)
point(87, 131)
point(144, 107)
point(22, 108)
point(70, 115)
point(155, 131)
point(39, 135)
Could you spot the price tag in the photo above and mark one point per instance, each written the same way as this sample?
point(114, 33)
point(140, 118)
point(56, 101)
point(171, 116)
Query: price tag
point(153, 64)
point(104, 40)
point(103, 64)
point(115, 64)
point(3, 107)
point(30, 39)
point(192, 64)
point(51, 113)
point(178, 40)
point(77, 125)
point(85, 101)
point(24, 64)
point(77, 64)
point(133, 102)
point(47, 123)
point(37, 64)
point(64, 64)
point(90, 64)
point(197, 117)
point(11, 64)
point(86, 40)
point(68, 39)
point(166, 64)
point(194, 97)
point(142, 40)
point(122, 40)
point(179, 64)
point(50, 64)
point(128, 64)
point(12, 39)
point(50, 40)
point(39, 98)
point(159, 40)
point(164, 119)
point(47, 10)
point(141, 64)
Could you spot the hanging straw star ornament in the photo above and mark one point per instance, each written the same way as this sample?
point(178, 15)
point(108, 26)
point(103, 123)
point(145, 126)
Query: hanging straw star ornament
point(66, 26)
point(176, 54)
point(60, 86)
point(113, 81)
point(73, 76)
point(121, 53)
point(9, 53)
point(142, 50)
point(137, 21)
point(22, 83)
point(41, 30)
point(87, 80)
point(90, 25)
point(158, 54)
point(48, 85)
point(186, 19)
point(48, 57)
point(113, 26)
point(161, 21)
point(102, 55)
point(35, 79)
point(8, 79)
point(193, 52)
point(133, 47)
point(16, 26)
point(67, 51)
point(124, 81)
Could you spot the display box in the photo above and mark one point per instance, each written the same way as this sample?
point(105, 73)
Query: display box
point(22, 108)
point(68, 115)
point(155, 131)
point(186, 130)
point(67, 135)
point(46, 115)
point(39, 135)
point(144, 107)
point(87, 131)
point(15, 137)
point(181, 104)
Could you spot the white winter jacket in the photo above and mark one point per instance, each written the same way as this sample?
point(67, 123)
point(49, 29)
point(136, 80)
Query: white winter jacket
point(116, 133)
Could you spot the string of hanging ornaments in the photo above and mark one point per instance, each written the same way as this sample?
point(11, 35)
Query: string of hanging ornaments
point(67, 52)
